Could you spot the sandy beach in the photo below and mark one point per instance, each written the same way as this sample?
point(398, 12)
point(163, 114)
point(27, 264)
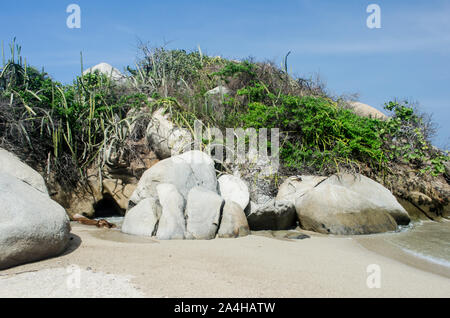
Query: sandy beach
point(112, 264)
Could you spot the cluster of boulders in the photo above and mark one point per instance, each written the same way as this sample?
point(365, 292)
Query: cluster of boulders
point(181, 198)
point(32, 226)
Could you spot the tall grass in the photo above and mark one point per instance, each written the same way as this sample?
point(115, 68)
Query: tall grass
point(69, 128)
point(86, 121)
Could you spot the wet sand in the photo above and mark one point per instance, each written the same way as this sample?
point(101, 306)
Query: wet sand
point(426, 246)
point(117, 265)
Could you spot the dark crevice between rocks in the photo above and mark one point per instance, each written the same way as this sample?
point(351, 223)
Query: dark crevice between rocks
point(220, 217)
point(155, 230)
point(320, 182)
point(107, 207)
point(131, 205)
point(421, 210)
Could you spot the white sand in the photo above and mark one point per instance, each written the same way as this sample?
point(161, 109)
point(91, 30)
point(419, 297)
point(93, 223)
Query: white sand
point(253, 266)
point(59, 283)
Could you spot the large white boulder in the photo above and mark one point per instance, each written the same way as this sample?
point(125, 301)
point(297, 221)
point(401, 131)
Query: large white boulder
point(9, 163)
point(335, 209)
point(186, 171)
point(108, 70)
point(143, 218)
point(165, 137)
point(343, 204)
point(32, 226)
point(365, 110)
point(234, 189)
point(203, 210)
point(373, 192)
point(295, 187)
point(172, 224)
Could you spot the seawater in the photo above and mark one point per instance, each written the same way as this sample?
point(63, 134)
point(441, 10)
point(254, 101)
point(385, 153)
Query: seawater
point(425, 240)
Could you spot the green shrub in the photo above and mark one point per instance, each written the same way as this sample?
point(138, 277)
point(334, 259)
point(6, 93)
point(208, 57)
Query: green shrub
point(317, 132)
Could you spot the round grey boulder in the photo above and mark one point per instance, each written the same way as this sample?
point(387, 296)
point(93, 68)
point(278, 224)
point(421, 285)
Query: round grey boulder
point(373, 192)
point(143, 218)
point(186, 171)
point(334, 209)
point(172, 224)
point(32, 226)
point(203, 211)
point(10, 164)
point(234, 189)
point(234, 222)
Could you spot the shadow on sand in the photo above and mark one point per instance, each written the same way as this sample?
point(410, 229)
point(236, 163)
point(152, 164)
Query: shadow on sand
point(74, 244)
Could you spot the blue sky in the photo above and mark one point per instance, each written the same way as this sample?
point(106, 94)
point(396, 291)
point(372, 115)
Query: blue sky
point(409, 57)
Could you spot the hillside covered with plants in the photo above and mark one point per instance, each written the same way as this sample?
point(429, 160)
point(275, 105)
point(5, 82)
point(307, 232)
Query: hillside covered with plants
point(64, 129)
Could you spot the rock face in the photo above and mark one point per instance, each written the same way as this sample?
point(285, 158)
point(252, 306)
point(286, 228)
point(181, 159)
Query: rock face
point(234, 189)
point(172, 224)
point(367, 111)
point(295, 187)
point(32, 226)
point(275, 216)
point(334, 209)
point(9, 163)
point(343, 204)
point(143, 218)
point(234, 222)
point(162, 193)
point(373, 192)
point(118, 191)
point(165, 138)
point(108, 70)
point(186, 171)
point(81, 200)
point(203, 211)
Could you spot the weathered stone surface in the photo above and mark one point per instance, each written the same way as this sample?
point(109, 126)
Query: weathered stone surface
point(234, 222)
point(203, 211)
point(32, 226)
point(11, 164)
point(172, 224)
point(143, 218)
point(82, 199)
point(185, 172)
point(373, 192)
point(295, 187)
point(234, 189)
point(118, 191)
point(365, 110)
point(335, 209)
point(166, 138)
point(275, 216)
point(108, 70)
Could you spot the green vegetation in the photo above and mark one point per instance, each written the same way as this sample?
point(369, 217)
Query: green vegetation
point(69, 128)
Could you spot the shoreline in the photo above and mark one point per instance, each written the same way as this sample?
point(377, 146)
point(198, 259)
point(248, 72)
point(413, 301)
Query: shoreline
point(119, 265)
point(386, 244)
